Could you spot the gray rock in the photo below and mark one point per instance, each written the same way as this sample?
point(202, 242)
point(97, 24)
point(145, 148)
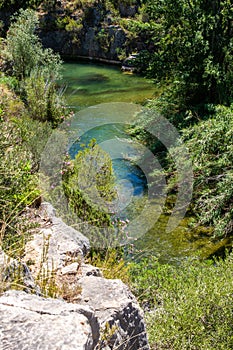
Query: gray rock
point(127, 10)
point(4, 259)
point(89, 270)
point(56, 245)
point(13, 271)
point(63, 232)
point(106, 318)
point(120, 317)
point(70, 269)
point(29, 322)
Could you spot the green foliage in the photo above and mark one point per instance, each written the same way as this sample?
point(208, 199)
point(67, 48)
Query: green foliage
point(42, 100)
point(211, 148)
point(17, 4)
point(18, 185)
point(190, 305)
point(88, 185)
point(192, 48)
point(21, 143)
point(104, 39)
point(25, 52)
point(111, 262)
point(34, 69)
point(10, 82)
point(69, 24)
point(35, 136)
point(10, 104)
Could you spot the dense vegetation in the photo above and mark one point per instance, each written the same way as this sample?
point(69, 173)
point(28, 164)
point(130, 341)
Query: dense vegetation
point(188, 52)
point(192, 48)
point(28, 98)
point(190, 306)
point(191, 58)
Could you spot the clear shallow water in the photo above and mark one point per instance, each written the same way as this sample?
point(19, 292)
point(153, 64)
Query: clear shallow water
point(91, 84)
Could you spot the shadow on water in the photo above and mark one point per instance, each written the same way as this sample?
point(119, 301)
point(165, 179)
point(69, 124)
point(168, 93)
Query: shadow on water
point(90, 84)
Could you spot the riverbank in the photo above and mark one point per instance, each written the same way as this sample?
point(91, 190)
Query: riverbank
point(191, 302)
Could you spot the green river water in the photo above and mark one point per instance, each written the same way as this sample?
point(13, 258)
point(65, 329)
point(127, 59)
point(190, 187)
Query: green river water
point(89, 84)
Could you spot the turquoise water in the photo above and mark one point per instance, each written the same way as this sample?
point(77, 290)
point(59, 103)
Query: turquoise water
point(88, 85)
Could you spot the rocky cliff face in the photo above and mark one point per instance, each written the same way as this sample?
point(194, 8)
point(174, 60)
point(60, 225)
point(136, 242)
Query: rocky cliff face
point(90, 31)
point(91, 313)
point(87, 29)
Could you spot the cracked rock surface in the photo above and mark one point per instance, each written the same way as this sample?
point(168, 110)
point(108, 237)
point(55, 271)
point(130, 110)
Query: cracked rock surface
point(102, 314)
point(30, 322)
point(115, 306)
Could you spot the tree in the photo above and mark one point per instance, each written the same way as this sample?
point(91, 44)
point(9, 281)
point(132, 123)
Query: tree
point(193, 48)
point(24, 51)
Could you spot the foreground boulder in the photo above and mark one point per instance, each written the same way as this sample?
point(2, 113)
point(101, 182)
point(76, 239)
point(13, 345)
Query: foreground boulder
point(30, 322)
point(107, 317)
point(91, 313)
point(120, 317)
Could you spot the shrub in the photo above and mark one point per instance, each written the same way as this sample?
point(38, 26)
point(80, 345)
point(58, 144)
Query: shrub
point(18, 185)
point(21, 144)
point(211, 149)
point(43, 102)
point(111, 262)
point(190, 305)
point(88, 184)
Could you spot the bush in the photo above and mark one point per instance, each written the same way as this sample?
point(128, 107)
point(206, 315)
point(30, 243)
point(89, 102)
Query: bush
point(88, 183)
point(190, 305)
point(211, 149)
point(43, 102)
point(21, 144)
point(34, 69)
point(18, 185)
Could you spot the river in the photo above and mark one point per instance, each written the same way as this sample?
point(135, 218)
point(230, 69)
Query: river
point(109, 89)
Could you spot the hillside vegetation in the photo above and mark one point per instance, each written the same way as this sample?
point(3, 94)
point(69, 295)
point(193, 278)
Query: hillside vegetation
point(186, 47)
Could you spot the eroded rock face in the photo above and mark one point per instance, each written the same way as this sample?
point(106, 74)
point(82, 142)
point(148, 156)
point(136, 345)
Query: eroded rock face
point(30, 322)
point(93, 33)
point(91, 43)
